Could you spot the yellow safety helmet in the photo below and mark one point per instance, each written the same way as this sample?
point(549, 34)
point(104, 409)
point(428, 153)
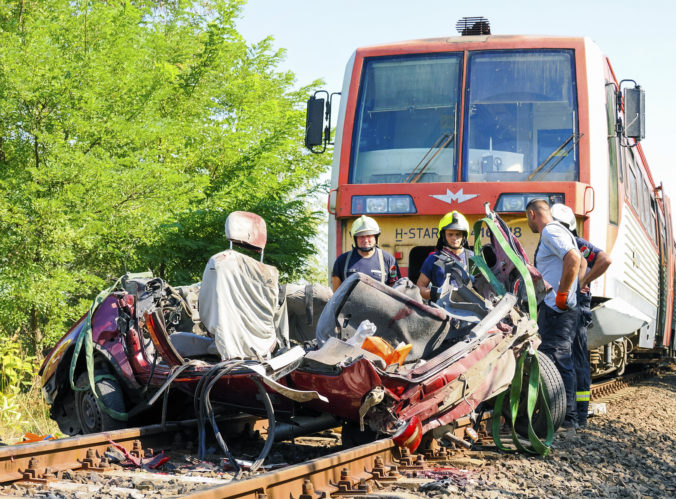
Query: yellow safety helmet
point(364, 226)
point(454, 221)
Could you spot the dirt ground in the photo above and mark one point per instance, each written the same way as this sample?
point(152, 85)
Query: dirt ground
point(628, 452)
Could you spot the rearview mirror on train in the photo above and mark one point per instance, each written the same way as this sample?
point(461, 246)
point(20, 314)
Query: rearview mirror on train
point(634, 113)
point(314, 122)
point(318, 121)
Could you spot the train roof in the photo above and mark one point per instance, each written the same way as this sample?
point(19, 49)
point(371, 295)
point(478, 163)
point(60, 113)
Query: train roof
point(475, 42)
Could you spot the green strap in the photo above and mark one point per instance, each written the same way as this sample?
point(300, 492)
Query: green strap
point(536, 389)
point(85, 337)
point(480, 263)
point(516, 260)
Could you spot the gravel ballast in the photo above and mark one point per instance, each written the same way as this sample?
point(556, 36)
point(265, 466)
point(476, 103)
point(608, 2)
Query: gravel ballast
point(628, 452)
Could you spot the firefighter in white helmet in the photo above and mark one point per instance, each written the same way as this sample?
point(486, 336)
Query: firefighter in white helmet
point(365, 257)
point(452, 244)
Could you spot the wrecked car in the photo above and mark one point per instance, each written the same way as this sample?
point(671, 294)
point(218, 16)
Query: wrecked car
point(237, 345)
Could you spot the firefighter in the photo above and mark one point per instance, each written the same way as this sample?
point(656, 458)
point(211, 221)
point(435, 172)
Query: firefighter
point(452, 244)
point(597, 262)
point(368, 258)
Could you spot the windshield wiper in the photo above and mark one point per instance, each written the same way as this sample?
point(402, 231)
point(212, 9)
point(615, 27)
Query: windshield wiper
point(442, 142)
point(574, 138)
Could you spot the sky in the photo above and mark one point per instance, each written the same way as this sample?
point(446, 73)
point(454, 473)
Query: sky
point(319, 36)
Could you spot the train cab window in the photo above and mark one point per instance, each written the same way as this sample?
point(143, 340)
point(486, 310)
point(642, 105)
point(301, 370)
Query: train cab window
point(521, 116)
point(613, 198)
point(405, 125)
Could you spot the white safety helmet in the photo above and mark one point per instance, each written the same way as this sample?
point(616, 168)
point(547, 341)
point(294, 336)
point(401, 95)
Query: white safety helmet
point(563, 214)
point(364, 226)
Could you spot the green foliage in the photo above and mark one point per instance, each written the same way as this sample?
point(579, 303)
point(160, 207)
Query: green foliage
point(22, 407)
point(17, 378)
point(128, 132)
point(18, 369)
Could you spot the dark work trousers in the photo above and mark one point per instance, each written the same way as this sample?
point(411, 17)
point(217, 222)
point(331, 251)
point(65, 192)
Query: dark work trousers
point(557, 330)
point(581, 358)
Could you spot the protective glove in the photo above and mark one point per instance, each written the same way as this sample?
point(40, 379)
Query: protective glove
point(562, 300)
point(435, 293)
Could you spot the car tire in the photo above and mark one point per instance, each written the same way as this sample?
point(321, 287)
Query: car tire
point(549, 375)
point(92, 419)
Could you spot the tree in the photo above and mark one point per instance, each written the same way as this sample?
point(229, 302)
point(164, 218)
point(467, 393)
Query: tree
point(128, 132)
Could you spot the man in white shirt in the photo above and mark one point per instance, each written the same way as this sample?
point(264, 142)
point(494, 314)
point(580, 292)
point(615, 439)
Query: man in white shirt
point(558, 260)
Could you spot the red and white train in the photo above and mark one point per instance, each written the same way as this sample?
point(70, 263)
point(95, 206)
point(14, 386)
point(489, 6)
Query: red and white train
point(429, 126)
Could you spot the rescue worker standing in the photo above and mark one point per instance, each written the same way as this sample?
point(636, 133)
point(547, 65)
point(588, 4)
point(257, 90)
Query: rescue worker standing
point(452, 243)
point(368, 258)
point(598, 262)
point(558, 260)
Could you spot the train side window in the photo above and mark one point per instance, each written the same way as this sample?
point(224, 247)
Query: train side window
point(663, 231)
point(613, 187)
point(633, 185)
point(645, 208)
point(625, 163)
point(656, 230)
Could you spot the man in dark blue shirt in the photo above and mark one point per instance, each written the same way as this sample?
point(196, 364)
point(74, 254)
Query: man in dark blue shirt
point(452, 245)
point(368, 258)
point(597, 262)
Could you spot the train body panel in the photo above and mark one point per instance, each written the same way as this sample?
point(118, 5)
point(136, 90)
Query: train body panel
point(595, 223)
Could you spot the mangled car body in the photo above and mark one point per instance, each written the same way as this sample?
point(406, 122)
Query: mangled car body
point(238, 344)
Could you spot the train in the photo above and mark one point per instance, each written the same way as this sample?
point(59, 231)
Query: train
point(428, 126)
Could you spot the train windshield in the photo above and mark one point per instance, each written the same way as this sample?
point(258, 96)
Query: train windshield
point(521, 117)
point(407, 112)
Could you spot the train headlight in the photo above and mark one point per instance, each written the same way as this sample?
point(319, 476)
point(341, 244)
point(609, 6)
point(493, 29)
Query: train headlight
point(517, 201)
point(374, 205)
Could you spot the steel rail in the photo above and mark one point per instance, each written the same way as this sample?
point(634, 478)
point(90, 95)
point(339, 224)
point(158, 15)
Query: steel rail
point(34, 460)
point(324, 475)
point(603, 389)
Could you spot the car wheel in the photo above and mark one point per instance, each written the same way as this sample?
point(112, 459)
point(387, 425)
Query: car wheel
point(549, 375)
point(92, 419)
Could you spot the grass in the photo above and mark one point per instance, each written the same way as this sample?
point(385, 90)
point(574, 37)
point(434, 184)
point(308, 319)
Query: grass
point(25, 412)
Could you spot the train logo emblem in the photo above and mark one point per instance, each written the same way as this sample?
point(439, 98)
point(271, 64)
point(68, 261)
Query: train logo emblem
point(460, 197)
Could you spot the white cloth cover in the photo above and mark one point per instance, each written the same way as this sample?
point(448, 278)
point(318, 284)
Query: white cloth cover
point(239, 305)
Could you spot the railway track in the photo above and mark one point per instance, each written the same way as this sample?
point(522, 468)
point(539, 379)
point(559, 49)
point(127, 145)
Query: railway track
point(157, 461)
point(602, 389)
point(133, 463)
